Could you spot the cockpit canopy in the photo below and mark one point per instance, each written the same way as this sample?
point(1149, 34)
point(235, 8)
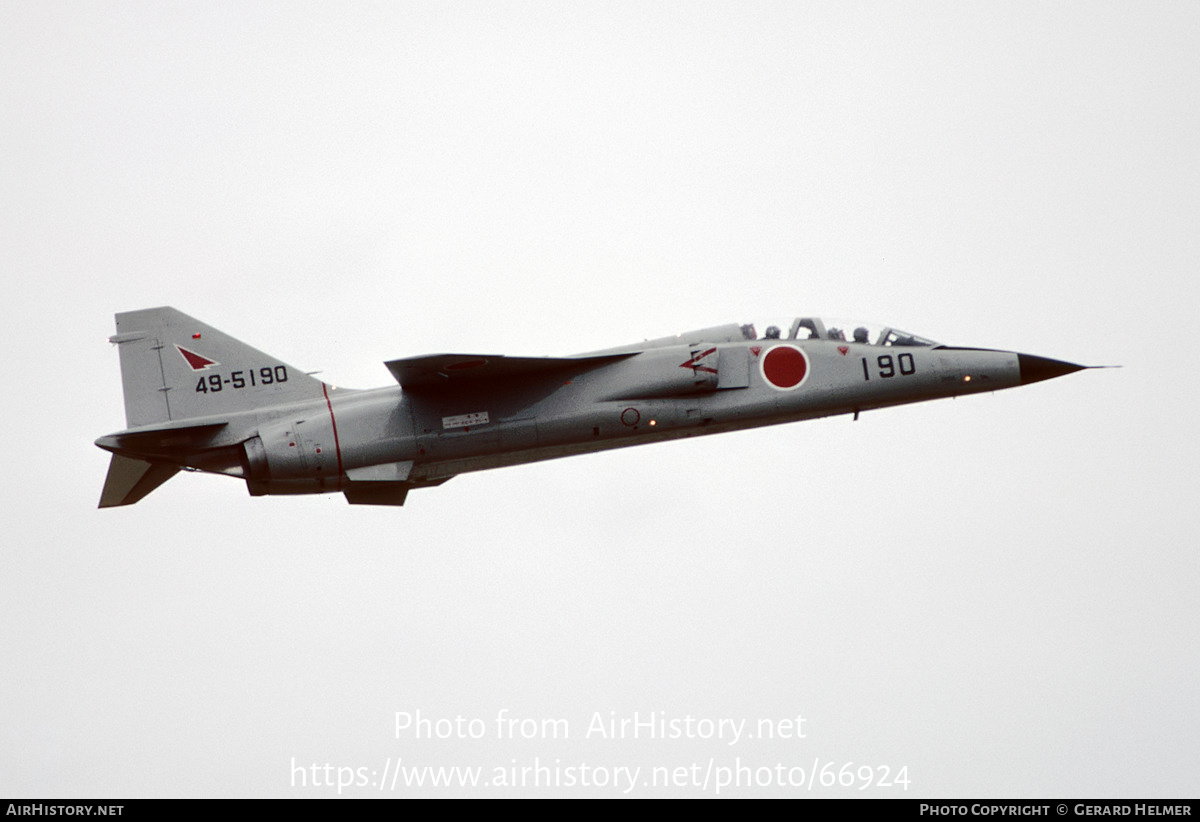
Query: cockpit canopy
point(801, 328)
point(811, 328)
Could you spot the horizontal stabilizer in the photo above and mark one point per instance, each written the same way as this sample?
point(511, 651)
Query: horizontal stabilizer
point(448, 371)
point(130, 480)
point(166, 439)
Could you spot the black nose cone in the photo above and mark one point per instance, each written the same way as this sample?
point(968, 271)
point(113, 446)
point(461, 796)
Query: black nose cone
point(1036, 369)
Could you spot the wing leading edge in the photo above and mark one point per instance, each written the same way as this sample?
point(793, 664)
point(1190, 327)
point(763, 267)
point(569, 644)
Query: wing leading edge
point(450, 371)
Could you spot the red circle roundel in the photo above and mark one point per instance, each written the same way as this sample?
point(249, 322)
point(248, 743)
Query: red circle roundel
point(784, 367)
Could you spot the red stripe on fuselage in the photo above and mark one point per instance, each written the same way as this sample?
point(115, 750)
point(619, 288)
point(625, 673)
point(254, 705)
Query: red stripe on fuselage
point(337, 445)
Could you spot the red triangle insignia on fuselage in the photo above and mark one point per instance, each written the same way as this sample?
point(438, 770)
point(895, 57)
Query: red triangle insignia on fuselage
point(197, 362)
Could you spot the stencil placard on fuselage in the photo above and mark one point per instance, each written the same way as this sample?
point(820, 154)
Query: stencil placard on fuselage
point(465, 420)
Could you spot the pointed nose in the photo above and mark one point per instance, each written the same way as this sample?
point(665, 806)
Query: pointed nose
point(1036, 369)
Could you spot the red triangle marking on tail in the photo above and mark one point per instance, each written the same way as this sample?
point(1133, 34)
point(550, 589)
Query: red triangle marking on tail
point(197, 362)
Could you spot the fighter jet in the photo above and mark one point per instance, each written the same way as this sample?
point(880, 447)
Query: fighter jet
point(197, 399)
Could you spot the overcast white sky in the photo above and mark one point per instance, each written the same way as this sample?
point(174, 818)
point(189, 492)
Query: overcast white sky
point(998, 593)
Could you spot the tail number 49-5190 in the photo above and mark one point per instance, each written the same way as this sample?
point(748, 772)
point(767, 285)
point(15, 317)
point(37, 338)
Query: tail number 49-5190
point(262, 376)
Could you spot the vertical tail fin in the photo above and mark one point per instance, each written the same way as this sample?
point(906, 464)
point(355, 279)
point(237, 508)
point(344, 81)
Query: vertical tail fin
point(174, 367)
